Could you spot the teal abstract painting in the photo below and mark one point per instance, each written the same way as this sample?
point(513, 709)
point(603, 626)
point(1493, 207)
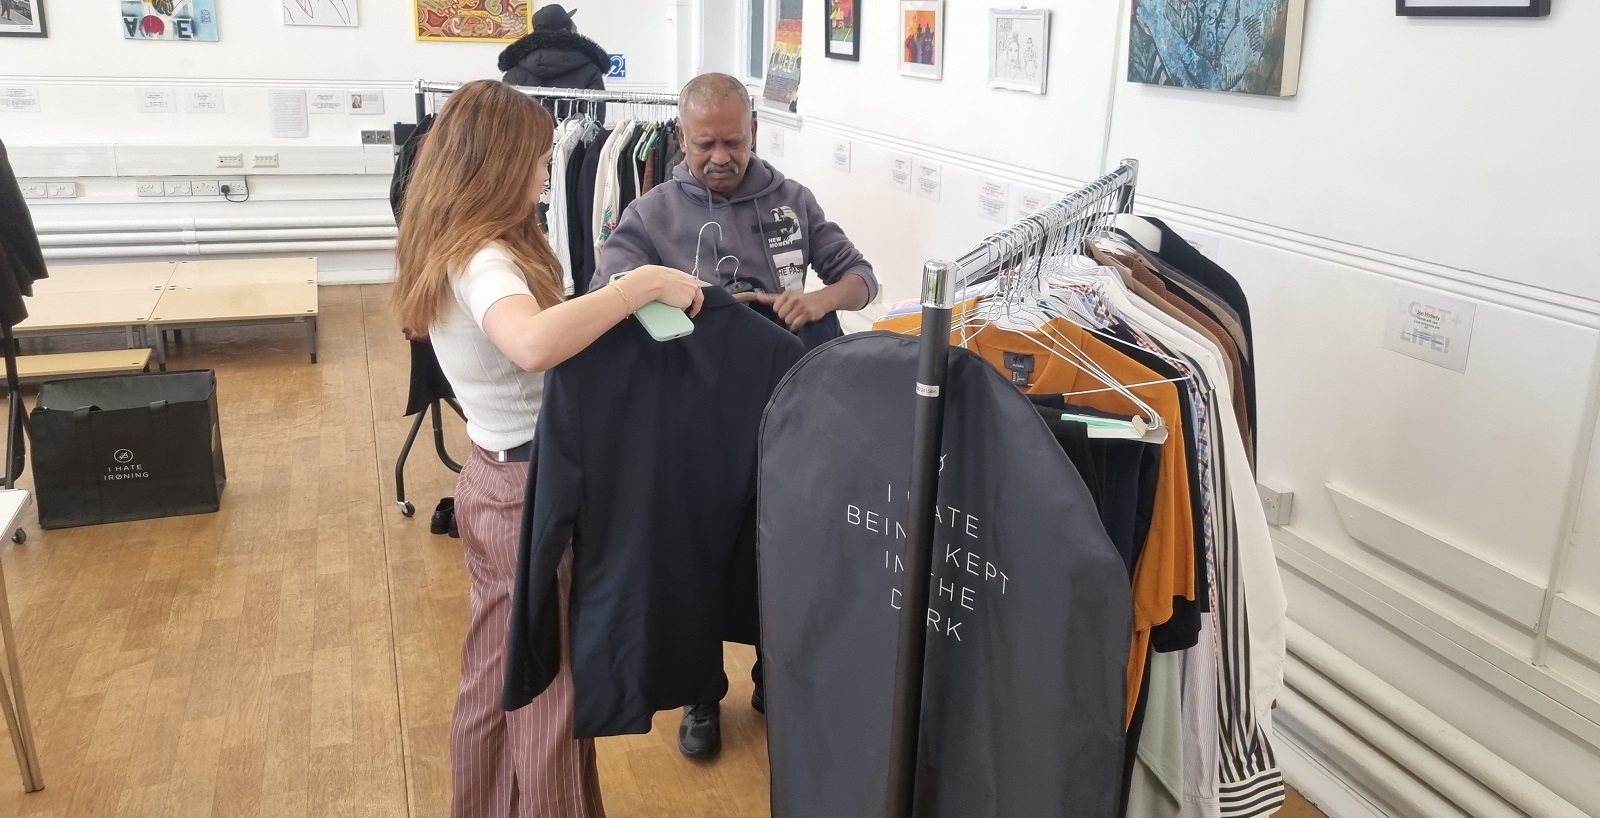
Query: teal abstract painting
point(1239, 46)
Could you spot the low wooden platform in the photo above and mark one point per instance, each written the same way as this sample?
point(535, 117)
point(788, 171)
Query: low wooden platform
point(77, 364)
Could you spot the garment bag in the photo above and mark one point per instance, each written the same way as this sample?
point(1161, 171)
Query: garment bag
point(1029, 619)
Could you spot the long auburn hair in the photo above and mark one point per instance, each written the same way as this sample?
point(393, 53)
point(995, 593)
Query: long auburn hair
point(474, 184)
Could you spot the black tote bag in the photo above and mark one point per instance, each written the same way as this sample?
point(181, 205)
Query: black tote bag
point(127, 447)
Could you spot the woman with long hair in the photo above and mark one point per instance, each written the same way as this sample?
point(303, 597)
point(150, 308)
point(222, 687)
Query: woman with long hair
point(475, 271)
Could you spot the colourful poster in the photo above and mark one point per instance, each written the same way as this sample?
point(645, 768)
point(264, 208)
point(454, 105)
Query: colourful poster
point(783, 74)
point(473, 21)
point(185, 20)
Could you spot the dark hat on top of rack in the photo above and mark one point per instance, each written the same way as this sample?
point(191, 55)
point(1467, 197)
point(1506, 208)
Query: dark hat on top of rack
point(554, 17)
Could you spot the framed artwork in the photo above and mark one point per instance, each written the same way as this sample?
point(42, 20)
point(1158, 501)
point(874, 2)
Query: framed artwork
point(1237, 46)
point(922, 38)
point(1472, 8)
point(22, 18)
point(180, 20)
point(783, 69)
point(1019, 49)
point(844, 29)
point(320, 13)
point(473, 21)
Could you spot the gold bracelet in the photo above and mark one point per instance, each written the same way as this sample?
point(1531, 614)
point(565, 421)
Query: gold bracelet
point(626, 302)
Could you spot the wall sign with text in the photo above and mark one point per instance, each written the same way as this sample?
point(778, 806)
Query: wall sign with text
point(1472, 8)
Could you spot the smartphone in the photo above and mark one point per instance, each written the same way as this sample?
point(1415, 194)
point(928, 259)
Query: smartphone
point(663, 321)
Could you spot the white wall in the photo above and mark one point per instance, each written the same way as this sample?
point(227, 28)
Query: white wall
point(91, 131)
point(1447, 526)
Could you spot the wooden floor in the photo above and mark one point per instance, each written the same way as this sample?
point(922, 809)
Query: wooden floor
point(295, 654)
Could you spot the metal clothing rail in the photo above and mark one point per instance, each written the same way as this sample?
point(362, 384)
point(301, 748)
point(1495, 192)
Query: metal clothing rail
point(941, 280)
point(425, 87)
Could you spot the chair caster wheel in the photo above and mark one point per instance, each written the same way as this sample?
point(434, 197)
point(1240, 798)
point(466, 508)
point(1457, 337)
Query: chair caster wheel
point(407, 509)
point(19, 536)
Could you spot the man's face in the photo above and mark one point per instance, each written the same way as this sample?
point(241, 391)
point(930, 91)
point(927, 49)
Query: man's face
point(716, 141)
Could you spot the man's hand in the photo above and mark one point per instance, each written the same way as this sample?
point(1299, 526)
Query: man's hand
point(795, 309)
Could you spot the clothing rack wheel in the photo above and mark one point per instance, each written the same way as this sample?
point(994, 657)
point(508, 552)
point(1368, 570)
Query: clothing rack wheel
point(407, 509)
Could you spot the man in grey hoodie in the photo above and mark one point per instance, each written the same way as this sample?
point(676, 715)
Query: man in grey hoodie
point(731, 218)
point(727, 214)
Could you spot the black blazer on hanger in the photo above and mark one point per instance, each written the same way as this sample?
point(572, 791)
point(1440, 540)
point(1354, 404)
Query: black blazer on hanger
point(21, 260)
point(645, 463)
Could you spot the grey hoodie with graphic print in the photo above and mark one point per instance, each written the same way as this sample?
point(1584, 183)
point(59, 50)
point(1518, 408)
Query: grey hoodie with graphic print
point(771, 225)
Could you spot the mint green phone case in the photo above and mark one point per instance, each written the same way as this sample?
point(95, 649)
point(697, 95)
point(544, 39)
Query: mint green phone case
point(663, 321)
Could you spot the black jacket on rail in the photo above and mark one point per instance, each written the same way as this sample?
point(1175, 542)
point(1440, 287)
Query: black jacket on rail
point(557, 59)
point(645, 462)
point(21, 260)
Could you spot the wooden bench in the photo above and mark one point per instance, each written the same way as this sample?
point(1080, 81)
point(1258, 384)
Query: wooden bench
point(79, 364)
point(174, 296)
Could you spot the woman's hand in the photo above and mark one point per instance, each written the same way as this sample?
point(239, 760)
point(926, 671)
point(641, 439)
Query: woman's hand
point(653, 282)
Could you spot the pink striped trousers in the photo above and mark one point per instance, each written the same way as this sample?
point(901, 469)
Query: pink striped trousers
point(523, 764)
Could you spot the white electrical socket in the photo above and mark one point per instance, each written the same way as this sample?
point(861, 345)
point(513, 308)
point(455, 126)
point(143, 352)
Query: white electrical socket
point(150, 188)
point(230, 160)
point(35, 190)
point(263, 160)
point(1278, 503)
point(183, 188)
point(63, 190)
point(208, 188)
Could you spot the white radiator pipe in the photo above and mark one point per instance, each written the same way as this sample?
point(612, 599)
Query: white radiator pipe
point(211, 236)
point(229, 223)
point(110, 239)
point(1417, 761)
point(292, 234)
point(1373, 768)
point(239, 249)
point(1478, 762)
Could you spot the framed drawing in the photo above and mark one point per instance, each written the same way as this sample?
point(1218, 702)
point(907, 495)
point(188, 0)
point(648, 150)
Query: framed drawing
point(320, 13)
point(181, 20)
point(1019, 49)
point(844, 29)
point(1472, 8)
point(1256, 52)
point(922, 38)
point(22, 18)
point(473, 21)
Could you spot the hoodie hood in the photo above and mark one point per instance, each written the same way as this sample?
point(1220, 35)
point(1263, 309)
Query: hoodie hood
point(548, 53)
point(761, 180)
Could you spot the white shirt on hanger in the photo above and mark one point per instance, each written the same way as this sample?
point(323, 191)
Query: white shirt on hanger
point(1265, 601)
point(567, 136)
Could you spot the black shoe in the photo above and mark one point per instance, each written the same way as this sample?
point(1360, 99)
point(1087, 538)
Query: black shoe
point(700, 735)
point(758, 700)
point(443, 516)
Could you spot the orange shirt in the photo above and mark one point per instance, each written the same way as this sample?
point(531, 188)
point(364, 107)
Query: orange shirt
point(1166, 566)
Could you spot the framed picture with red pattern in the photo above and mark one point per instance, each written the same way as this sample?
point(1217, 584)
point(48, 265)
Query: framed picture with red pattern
point(473, 21)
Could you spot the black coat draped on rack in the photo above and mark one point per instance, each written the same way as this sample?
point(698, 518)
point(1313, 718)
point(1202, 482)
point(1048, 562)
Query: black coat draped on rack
point(21, 259)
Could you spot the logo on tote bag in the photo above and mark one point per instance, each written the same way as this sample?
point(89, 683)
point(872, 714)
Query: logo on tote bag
point(125, 469)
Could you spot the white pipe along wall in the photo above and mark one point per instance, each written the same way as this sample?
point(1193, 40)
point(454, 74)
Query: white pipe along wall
point(1346, 679)
point(1445, 557)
